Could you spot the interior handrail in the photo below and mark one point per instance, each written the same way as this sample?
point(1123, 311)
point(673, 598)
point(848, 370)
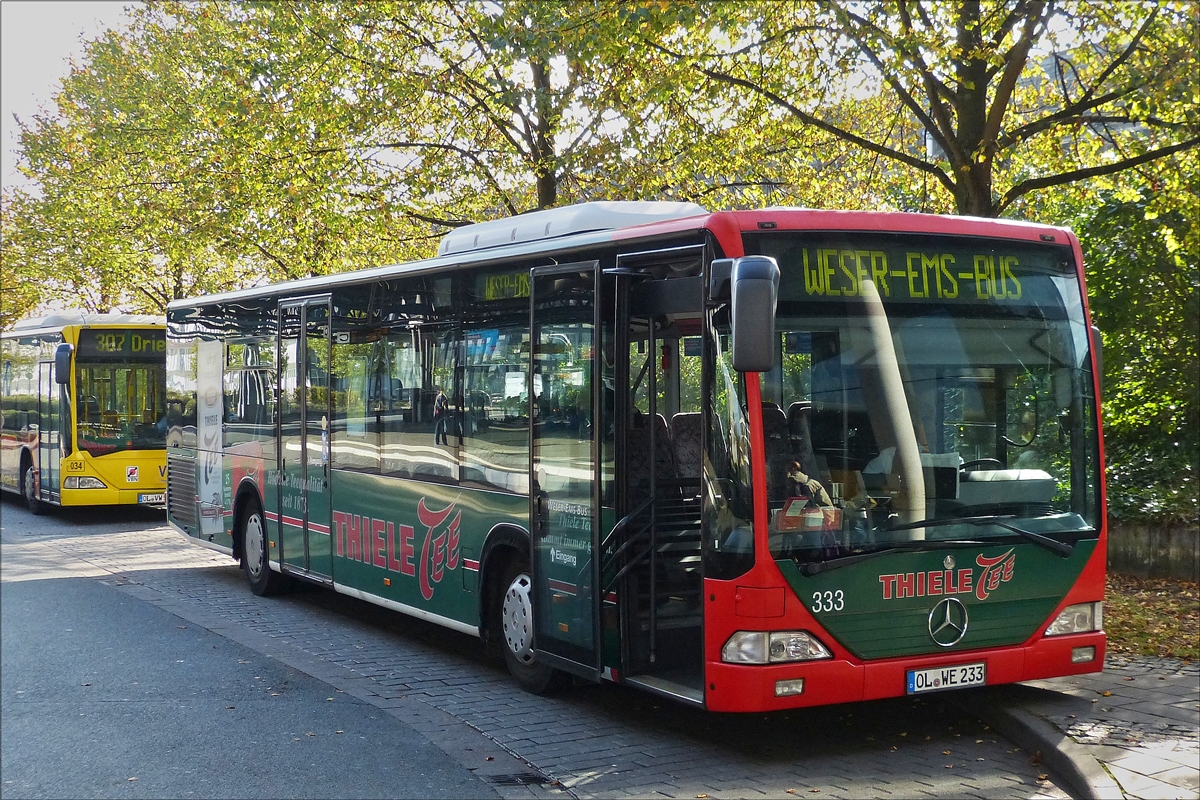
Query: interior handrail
point(624, 546)
point(624, 522)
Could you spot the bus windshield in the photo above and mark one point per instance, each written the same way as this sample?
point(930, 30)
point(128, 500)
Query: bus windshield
point(926, 389)
point(119, 391)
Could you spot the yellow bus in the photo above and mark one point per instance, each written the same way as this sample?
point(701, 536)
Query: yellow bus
point(84, 411)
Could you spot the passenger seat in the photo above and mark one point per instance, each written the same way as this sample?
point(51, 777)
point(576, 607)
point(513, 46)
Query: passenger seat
point(687, 435)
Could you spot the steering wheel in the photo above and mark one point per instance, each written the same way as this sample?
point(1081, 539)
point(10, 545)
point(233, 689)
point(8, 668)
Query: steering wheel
point(992, 463)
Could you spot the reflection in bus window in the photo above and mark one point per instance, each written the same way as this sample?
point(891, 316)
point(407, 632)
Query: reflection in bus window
point(496, 408)
point(729, 533)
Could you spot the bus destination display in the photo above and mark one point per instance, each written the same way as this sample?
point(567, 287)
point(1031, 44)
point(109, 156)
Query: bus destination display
point(110, 344)
point(923, 270)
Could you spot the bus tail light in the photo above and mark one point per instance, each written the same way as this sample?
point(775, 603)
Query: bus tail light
point(1080, 618)
point(772, 647)
point(78, 482)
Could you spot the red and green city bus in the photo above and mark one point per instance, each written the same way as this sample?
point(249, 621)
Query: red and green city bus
point(84, 413)
point(748, 460)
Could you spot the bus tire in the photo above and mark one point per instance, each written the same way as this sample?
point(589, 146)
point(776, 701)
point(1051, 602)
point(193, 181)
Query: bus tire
point(29, 490)
point(514, 623)
point(263, 581)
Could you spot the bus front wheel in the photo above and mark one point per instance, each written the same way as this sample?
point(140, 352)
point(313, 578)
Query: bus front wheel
point(515, 609)
point(263, 581)
point(29, 488)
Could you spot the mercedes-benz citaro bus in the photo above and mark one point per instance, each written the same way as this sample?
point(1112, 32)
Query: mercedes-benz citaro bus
point(84, 410)
point(749, 460)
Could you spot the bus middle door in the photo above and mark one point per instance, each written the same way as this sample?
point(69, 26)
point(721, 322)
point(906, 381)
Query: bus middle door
point(304, 512)
point(564, 493)
point(48, 431)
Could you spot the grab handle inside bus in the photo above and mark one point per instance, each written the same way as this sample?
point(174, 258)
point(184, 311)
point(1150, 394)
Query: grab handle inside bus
point(755, 290)
point(62, 364)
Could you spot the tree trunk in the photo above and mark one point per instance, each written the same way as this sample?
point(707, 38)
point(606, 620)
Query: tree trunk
point(973, 190)
point(973, 170)
point(547, 121)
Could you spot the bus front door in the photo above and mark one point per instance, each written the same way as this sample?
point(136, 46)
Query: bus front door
point(653, 552)
point(564, 494)
point(304, 508)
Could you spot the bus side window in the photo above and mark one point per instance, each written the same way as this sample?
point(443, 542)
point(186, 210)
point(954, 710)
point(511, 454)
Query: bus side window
point(356, 406)
point(495, 407)
point(413, 443)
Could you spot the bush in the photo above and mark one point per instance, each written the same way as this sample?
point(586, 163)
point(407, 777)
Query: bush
point(1144, 292)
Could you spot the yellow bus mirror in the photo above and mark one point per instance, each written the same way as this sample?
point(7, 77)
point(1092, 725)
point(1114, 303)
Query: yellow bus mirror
point(62, 364)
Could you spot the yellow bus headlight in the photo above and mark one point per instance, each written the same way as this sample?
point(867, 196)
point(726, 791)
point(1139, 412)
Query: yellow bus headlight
point(77, 482)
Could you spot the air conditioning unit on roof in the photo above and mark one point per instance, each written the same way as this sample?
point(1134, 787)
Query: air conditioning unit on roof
point(557, 222)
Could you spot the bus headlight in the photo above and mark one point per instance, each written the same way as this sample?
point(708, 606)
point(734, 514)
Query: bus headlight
point(772, 647)
point(1080, 618)
point(77, 482)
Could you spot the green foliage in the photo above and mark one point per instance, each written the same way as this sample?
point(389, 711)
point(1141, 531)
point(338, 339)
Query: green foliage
point(980, 103)
point(19, 271)
point(209, 146)
point(1144, 288)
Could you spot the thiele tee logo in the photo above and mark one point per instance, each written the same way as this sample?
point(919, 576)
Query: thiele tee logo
point(949, 581)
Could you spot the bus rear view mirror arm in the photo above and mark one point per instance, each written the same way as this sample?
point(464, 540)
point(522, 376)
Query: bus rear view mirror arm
point(755, 289)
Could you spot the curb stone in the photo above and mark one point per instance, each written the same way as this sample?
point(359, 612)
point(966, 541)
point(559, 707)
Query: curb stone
point(1081, 773)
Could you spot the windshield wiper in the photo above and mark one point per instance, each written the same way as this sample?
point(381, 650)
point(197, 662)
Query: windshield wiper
point(810, 568)
point(1054, 545)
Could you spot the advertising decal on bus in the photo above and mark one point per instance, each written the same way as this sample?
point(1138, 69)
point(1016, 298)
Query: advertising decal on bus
point(390, 546)
point(996, 570)
point(209, 359)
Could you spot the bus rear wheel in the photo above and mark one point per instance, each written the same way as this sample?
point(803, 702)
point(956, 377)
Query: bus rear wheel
point(263, 581)
point(514, 611)
point(29, 490)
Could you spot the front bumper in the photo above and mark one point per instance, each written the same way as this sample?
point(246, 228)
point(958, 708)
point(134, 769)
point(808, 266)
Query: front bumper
point(750, 688)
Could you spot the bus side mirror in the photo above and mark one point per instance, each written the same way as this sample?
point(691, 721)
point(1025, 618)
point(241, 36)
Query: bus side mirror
point(62, 364)
point(720, 273)
point(755, 289)
point(1098, 349)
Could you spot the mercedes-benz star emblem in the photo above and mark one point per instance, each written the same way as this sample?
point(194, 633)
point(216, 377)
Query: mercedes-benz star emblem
point(948, 562)
point(948, 622)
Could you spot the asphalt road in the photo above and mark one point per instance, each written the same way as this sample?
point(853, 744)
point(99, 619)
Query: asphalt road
point(104, 695)
point(423, 711)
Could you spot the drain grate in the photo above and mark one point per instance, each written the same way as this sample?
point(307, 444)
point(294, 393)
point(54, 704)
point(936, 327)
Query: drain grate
point(519, 779)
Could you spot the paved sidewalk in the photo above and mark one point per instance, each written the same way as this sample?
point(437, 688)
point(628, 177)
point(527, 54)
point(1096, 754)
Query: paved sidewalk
point(1132, 731)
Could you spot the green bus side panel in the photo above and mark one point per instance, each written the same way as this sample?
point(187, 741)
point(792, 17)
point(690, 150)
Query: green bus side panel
point(406, 541)
point(1007, 590)
point(249, 462)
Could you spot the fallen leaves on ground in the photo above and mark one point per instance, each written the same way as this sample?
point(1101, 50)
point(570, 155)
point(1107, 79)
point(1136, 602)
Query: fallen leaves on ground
point(1152, 617)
